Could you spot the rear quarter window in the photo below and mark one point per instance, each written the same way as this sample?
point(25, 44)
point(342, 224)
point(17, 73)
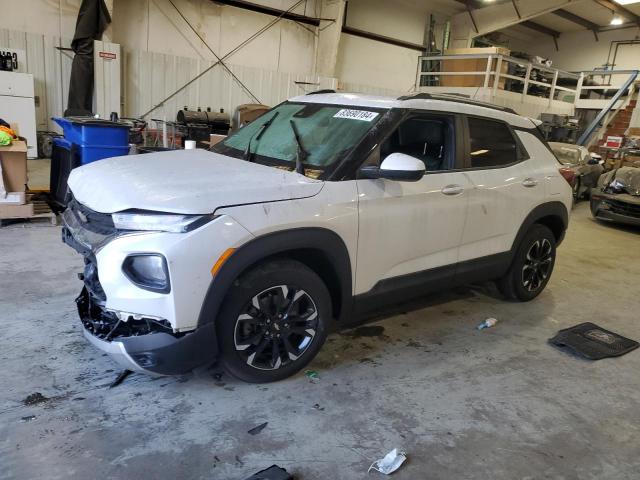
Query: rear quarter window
point(491, 143)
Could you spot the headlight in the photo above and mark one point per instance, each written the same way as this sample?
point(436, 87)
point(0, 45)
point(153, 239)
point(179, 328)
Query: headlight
point(159, 222)
point(148, 271)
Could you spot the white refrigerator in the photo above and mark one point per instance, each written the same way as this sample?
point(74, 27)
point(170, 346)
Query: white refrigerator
point(17, 106)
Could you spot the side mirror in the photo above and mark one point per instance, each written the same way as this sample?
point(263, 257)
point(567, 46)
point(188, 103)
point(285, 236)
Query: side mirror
point(396, 166)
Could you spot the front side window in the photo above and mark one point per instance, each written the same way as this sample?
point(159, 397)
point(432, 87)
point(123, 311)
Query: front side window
point(429, 138)
point(325, 135)
point(491, 143)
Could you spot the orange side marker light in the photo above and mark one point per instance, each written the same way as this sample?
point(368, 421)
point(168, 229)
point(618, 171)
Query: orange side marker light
point(223, 258)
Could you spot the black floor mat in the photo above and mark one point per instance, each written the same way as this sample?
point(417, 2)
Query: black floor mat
point(590, 341)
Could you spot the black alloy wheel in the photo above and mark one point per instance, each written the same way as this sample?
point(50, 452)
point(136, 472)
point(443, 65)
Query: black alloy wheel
point(537, 265)
point(532, 265)
point(276, 327)
point(273, 321)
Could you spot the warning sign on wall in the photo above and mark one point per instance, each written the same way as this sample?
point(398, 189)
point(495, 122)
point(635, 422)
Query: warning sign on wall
point(107, 55)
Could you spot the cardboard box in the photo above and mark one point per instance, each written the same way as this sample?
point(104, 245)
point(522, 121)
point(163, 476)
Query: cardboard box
point(13, 159)
point(472, 65)
point(16, 211)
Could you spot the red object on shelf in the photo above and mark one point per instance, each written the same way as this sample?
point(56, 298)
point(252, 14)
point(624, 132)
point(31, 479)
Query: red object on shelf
point(613, 142)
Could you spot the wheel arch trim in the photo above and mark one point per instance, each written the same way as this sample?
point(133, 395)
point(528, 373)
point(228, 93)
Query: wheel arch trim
point(326, 242)
point(551, 210)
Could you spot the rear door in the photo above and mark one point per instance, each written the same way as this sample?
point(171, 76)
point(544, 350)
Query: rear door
point(505, 187)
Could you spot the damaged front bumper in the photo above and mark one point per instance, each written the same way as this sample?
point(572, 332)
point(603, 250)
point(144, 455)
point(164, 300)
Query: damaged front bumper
point(620, 208)
point(145, 344)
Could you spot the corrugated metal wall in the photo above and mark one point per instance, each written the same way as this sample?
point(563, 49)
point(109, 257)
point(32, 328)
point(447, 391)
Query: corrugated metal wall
point(151, 77)
point(50, 68)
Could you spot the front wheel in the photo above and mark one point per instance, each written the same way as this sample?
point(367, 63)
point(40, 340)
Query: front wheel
point(273, 321)
point(532, 265)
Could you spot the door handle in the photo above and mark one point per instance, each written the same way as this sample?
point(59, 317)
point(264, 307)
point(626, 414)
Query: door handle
point(529, 182)
point(452, 190)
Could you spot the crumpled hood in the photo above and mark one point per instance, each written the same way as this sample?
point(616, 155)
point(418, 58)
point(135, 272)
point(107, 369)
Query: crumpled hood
point(621, 180)
point(183, 181)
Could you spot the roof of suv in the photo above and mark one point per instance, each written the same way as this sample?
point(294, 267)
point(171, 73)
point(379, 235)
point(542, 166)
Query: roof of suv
point(441, 102)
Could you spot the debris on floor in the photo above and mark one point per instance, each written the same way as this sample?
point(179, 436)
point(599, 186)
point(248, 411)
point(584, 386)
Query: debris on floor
point(390, 463)
point(593, 342)
point(366, 331)
point(488, 323)
point(274, 472)
point(28, 418)
point(35, 399)
point(312, 374)
point(258, 429)
point(120, 378)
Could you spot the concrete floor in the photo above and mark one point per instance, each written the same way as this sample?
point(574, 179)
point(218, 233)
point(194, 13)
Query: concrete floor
point(498, 404)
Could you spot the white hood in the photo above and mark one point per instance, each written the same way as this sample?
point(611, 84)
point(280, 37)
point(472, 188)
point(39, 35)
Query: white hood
point(183, 181)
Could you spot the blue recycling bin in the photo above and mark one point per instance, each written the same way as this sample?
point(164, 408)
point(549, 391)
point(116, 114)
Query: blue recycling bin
point(85, 140)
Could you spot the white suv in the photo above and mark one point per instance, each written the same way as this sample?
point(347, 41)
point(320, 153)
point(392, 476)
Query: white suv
point(327, 208)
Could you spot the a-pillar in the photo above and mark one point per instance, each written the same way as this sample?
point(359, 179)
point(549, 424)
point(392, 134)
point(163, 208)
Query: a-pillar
point(329, 33)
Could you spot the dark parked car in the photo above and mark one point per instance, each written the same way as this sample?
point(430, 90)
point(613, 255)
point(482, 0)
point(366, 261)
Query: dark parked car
point(617, 197)
point(581, 168)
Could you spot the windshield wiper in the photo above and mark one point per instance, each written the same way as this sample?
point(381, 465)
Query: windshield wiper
point(301, 153)
point(258, 135)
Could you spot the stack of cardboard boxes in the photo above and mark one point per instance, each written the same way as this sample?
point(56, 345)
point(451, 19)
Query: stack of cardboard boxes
point(13, 182)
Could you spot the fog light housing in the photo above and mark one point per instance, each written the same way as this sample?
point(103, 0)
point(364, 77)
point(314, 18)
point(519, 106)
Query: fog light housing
point(148, 271)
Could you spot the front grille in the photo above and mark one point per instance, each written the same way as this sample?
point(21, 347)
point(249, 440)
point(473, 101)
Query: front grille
point(624, 208)
point(86, 230)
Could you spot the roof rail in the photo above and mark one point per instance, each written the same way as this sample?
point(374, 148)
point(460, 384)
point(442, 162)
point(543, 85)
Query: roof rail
point(457, 98)
point(319, 92)
point(416, 96)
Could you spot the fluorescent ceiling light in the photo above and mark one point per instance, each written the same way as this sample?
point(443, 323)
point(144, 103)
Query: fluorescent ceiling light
point(617, 21)
point(627, 2)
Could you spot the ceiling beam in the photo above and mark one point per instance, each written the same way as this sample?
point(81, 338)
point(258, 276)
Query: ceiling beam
point(382, 38)
point(572, 17)
point(540, 28)
point(274, 12)
point(620, 10)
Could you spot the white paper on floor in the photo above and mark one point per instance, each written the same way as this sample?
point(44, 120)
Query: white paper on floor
point(390, 463)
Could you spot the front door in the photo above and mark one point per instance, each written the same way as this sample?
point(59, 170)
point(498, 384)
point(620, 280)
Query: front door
point(409, 232)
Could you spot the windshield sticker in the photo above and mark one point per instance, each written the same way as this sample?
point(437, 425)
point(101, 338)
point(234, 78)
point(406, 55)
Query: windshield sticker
point(356, 115)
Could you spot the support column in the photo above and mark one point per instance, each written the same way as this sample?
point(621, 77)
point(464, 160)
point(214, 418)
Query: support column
point(107, 35)
point(329, 33)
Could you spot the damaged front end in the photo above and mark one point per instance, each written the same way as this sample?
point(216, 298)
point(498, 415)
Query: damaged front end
point(617, 197)
point(138, 342)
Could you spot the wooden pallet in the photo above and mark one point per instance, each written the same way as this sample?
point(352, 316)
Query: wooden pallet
point(40, 211)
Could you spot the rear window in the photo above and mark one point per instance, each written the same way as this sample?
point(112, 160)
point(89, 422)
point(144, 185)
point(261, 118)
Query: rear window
point(491, 143)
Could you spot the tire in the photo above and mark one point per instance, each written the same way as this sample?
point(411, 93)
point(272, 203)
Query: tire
point(273, 321)
point(532, 265)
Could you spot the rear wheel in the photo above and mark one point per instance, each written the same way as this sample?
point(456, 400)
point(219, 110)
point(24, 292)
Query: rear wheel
point(273, 321)
point(532, 265)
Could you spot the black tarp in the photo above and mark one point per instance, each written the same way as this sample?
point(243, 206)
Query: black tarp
point(93, 19)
